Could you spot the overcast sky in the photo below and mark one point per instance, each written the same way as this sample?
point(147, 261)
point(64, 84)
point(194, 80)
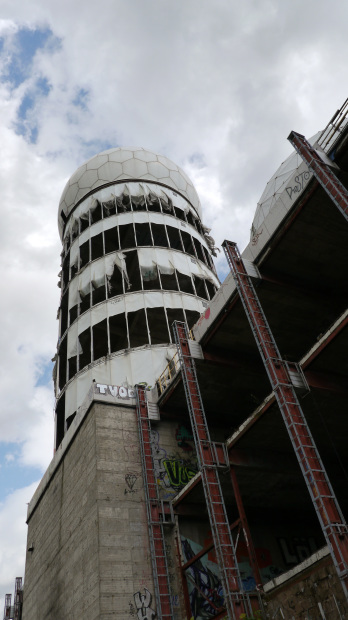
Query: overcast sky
point(215, 85)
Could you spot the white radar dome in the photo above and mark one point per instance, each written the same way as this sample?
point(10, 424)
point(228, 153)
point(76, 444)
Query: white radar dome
point(122, 164)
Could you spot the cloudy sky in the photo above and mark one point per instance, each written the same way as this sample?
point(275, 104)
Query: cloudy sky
point(215, 85)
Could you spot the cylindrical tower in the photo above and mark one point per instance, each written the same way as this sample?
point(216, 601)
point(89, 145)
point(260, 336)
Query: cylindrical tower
point(135, 258)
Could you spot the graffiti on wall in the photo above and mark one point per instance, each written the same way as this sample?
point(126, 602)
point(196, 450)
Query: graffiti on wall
point(203, 577)
point(142, 606)
point(172, 471)
point(297, 549)
point(130, 479)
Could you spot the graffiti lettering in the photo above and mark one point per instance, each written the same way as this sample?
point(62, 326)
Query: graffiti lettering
point(255, 238)
point(300, 181)
point(142, 603)
point(179, 474)
point(115, 390)
point(297, 550)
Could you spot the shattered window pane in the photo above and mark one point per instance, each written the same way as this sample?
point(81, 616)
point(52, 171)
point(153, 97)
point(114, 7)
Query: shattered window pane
point(174, 238)
point(111, 240)
point(118, 332)
point(100, 340)
point(85, 342)
point(157, 325)
point(127, 238)
point(137, 328)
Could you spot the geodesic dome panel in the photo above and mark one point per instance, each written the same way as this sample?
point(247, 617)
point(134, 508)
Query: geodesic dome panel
point(276, 185)
point(124, 164)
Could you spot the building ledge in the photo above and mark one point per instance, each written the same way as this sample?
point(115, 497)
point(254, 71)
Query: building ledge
point(308, 563)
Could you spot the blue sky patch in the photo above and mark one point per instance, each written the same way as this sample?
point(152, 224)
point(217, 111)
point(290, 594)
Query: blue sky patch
point(26, 124)
point(81, 99)
point(45, 375)
point(25, 43)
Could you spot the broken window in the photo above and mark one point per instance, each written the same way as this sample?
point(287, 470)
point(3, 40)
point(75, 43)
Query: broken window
point(73, 314)
point(169, 282)
point(85, 302)
point(137, 328)
point(187, 241)
point(174, 238)
point(85, 351)
point(127, 238)
point(133, 270)
point(111, 240)
point(62, 362)
point(69, 420)
point(72, 366)
point(200, 287)
point(115, 283)
point(211, 288)
point(174, 314)
point(150, 278)
point(100, 340)
point(109, 207)
point(153, 204)
point(198, 249)
point(65, 271)
point(84, 254)
point(118, 332)
point(84, 221)
point(96, 212)
point(64, 314)
point(97, 248)
point(157, 325)
point(190, 218)
point(60, 420)
point(185, 283)
point(192, 317)
point(98, 294)
point(180, 214)
point(159, 235)
point(143, 234)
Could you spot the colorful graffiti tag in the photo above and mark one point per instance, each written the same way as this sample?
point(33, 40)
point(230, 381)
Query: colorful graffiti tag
point(171, 470)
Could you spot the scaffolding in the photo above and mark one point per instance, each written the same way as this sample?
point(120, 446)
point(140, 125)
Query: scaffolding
point(324, 500)
point(322, 172)
point(14, 612)
point(159, 512)
point(212, 457)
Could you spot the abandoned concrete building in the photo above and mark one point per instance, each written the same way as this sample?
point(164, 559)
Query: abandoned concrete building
point(201, 466)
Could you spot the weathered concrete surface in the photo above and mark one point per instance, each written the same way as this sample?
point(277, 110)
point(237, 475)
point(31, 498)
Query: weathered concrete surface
point(309, 591)
point(89, 530)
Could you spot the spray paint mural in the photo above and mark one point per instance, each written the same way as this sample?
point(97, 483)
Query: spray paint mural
point(203, 577)
point(173, 469)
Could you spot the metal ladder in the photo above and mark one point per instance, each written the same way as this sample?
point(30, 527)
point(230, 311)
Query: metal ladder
point(156, 511)
point(322, 172)
point(211, 458)
point(324, 500)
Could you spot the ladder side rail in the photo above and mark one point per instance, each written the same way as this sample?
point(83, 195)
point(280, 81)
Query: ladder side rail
point(237, 601)
point(325, 503)
point(322, 172)
point(154, 516)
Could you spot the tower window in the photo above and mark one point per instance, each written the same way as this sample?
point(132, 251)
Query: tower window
point(64, 314)
point(127, 238)
point(111, 240)
point(174, 314)
point(97, 248)
point(96, 214)
point(169, 282)
point(62, 363)
point(159, 235)
point(200, 287)
point(84, 254)
point(118, 332)
point(133, 270)
point(137, 328)
point(174, 238)
point(185, 283)
point(143, 234)
point(192, 317)
point(85, 342)
point(157, 325)
point(100, 340)
point(187, 241)
point(115, 283)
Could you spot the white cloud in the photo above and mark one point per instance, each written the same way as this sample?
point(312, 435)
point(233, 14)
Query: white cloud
point(13, 532)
